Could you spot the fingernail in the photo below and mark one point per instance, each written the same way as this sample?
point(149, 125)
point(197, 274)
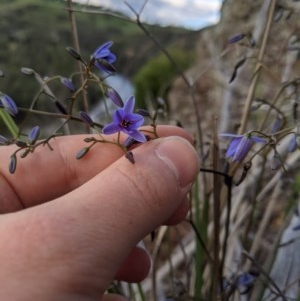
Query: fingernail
point(181, 158)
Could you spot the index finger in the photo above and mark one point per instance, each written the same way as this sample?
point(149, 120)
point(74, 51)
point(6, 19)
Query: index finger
point(45, 174)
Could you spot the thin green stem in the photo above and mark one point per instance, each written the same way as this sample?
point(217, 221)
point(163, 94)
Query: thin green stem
point(9, 122)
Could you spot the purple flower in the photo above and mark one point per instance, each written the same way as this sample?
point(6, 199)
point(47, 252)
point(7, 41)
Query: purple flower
point(68, 84)
point(240, 145)
point(242, 282)
point(124, 120)
point(8, 104)
point(103, 58)
point(236, 38)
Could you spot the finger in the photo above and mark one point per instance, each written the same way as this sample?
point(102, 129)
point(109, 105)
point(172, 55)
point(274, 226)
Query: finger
point(114, 297)
point(180, 214)
point(93, 228)
point(46, 174)
point(136, 266)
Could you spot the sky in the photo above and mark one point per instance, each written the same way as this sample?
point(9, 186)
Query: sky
point(192, 14)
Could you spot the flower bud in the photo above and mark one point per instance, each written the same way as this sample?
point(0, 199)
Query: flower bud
point(68, 84)
point(34, 134)
point(82, 153)
point(27, 71)
point(74, 53)
point(3, 140)
point(115, 97)
point(129, 156)
point(12, 164)
point(236, 38)
point(61, 107)
point(8, 104)
point(21, 143)
point(86, 118)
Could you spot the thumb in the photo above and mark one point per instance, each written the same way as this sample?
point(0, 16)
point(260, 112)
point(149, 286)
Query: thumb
point(92, 229)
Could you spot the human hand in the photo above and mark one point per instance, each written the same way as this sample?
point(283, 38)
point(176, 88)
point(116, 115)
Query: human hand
point(84, 218)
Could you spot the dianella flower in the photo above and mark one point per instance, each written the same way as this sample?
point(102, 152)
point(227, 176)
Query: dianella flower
point(68, 84)
point(240, 145)
point(124, 120)
point(8, 104)
point(103, 58)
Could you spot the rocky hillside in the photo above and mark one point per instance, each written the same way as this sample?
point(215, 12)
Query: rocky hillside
point(216, 92)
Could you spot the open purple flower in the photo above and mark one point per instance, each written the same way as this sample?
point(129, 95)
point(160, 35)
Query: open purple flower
point(240, 145)
point(103, 58)
point(124, 120)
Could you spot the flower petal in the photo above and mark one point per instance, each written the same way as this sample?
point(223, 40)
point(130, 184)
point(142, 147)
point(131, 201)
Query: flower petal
point(118, 116)
point(242, 149)
point(98, 53)
point(129, 105)
point(137, 135)
point(110, 128)
point(232, 147)
point(258, 139)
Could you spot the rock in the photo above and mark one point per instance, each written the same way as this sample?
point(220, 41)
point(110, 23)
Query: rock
point(217, 60)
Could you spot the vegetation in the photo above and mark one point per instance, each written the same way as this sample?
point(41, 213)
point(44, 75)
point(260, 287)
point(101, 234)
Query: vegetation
point(230, 247)
point(155, 77)
point(35, 34)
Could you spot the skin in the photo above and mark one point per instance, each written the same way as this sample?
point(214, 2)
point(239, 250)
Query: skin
point(69, 227)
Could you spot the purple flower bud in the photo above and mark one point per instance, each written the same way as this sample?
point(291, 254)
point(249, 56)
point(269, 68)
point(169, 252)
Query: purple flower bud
point(115, 97)
point(292, 144)
point(236, 38)
point(293, 48)
point(68, 84)
point(82, 153)
point(61, 107)
point(296, 228)
point(275, 162)
point(3, 140)
point(129, 156)
point(246, 279)
point(277, 124)
point(143, 112)
point(34, 134)
point(74, 53)
point(8, 104)
point(12, 164)
point(86, 118)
